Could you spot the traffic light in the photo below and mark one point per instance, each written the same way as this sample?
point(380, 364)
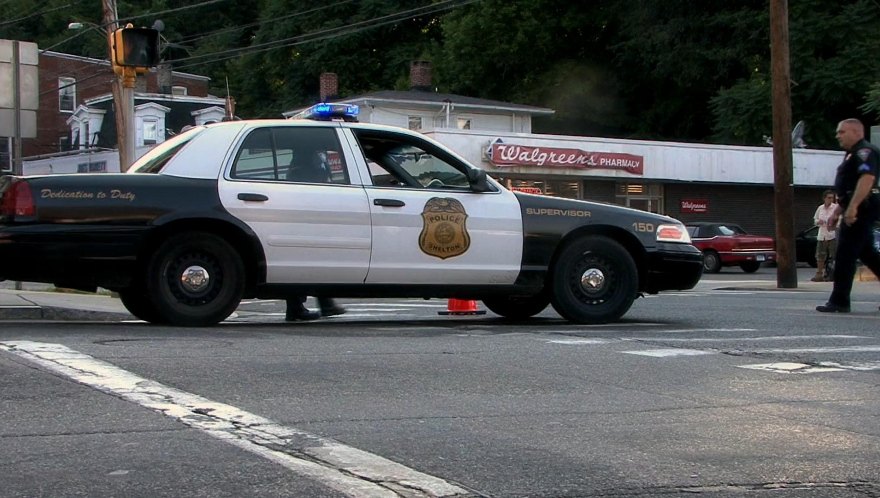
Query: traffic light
point(135, 47)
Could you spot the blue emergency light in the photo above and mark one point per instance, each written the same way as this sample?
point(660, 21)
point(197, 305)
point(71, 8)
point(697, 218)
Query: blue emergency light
point(328, 112)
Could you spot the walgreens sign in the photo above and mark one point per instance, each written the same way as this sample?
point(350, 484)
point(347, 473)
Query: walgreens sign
point(501, 154)
point(694, 205)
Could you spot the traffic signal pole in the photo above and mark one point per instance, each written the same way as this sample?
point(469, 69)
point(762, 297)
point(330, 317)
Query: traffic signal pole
point(123, 97)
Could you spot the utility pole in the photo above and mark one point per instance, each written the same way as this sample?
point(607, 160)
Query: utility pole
point(786, 270)
point(123, 94)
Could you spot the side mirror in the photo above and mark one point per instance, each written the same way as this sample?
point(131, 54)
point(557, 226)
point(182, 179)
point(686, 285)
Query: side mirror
point(477, 178)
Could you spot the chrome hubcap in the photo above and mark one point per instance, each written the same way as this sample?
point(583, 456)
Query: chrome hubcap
point(593, 280)
point(195, 279)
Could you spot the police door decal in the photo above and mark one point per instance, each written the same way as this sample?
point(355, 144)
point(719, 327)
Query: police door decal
point(444, 233)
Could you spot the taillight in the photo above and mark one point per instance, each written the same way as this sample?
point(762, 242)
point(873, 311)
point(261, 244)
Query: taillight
point(17, 200)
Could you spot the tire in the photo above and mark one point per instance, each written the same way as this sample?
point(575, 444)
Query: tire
point(201, 301)
point(711, 262)
point(138, 304)
point(517, 307)
point(594, 280)
point(750, 266)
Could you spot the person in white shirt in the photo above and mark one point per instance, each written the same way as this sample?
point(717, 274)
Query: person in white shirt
point(826, 219)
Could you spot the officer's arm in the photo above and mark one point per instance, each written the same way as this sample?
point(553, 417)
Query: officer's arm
point(863, 190)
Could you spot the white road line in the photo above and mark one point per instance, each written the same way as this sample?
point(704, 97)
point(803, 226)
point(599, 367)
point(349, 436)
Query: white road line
point(787, 367)
point(580, 341)
point(345, 469)
point(685, 331)
point(725, 339)
point(668, 352)
point(829, 349)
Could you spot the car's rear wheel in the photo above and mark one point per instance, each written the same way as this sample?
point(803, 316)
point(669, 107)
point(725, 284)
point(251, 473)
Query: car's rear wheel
point(595, 280)
point(750, 266)
point(517, 307)
point(138, 303)
point(711, 261)
point(195, 279)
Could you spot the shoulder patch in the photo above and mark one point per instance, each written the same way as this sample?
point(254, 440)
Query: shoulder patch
point(863, 153)
point(864, 168)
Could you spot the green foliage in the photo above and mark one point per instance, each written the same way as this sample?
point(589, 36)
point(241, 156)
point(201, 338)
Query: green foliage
point(662, 69)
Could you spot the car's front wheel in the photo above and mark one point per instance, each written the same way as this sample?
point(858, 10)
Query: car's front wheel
point(595, 280)
point(711, 261)
point(517, 307)
point(195, 279)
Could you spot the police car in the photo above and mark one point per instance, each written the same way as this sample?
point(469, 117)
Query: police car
point(326, 206)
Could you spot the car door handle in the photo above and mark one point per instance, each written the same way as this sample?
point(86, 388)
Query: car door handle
point(244, 196)
point(388, 202)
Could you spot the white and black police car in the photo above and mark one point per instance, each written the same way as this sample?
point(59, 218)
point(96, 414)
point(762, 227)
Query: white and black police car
point(328, 206)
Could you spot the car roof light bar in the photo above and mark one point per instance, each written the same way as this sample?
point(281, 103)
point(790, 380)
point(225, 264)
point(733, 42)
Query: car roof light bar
point(329, 112)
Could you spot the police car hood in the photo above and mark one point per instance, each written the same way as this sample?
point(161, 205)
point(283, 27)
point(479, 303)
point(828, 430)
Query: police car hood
point(591, 211)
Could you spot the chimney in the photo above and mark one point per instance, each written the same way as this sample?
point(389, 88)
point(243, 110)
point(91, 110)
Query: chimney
point(329, 86)
point(420, 76)
point(163, 77)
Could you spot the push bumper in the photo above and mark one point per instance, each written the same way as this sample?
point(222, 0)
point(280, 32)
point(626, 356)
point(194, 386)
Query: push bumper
point(673, 267)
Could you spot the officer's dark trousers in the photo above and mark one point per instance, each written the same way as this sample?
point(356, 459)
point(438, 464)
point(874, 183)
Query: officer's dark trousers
point(854, 242)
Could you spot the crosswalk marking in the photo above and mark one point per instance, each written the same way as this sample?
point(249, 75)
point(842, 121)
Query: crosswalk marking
point(347, 470)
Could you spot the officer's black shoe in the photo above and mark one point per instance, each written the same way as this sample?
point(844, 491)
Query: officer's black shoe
point(301, 314)
point(832, 308)
point(332, 310)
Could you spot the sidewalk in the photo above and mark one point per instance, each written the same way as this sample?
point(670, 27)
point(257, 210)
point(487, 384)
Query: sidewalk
point(36, 301)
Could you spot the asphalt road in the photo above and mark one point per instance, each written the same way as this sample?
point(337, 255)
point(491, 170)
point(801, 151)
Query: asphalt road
point(740, 392)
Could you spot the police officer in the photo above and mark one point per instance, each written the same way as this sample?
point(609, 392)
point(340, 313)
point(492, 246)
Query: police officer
point(296, 309)
point(856, 186)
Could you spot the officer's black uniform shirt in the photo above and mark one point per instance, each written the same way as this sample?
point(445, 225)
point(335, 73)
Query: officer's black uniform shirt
point(864, 158)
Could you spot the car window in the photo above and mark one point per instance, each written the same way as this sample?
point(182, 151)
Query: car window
point(729, 230)
point(693, 231)
point(291, 154)
point(403, 161)
point(155, 159)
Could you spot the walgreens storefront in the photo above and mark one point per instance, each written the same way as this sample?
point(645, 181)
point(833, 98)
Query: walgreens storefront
point(691, 182)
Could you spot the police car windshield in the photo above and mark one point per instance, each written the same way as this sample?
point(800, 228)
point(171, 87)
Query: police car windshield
point(154, 160)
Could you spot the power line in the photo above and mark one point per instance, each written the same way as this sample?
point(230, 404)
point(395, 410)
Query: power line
point(35, 14)
point(325, 34)
point(196, 37)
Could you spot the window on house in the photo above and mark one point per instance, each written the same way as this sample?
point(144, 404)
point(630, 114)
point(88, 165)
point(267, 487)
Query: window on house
point(463, 123)
point(415, 123)
point(151, 132)
point(179, 90)
point(74, 138)
point(63, 143)
point(66, 94)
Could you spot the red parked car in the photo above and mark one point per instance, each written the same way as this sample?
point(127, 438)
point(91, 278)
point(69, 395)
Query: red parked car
point(726, 244)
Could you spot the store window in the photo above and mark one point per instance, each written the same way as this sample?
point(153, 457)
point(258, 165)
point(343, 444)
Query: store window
point(570, 189)
point(644, 196)
point(66, 94)
point(5, 154)
point(415, 123)
point(463, 123)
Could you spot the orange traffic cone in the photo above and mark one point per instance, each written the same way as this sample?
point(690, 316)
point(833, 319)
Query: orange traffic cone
point(462, 307)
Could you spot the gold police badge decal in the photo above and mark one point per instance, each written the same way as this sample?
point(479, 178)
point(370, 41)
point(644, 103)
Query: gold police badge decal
point(444, 233)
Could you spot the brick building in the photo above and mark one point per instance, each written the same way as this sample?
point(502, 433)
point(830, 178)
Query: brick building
point(76, 114)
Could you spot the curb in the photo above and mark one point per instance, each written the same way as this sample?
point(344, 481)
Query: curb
point(52, 313)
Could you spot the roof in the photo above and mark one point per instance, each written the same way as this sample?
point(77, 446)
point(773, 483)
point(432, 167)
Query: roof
point(434, 99)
